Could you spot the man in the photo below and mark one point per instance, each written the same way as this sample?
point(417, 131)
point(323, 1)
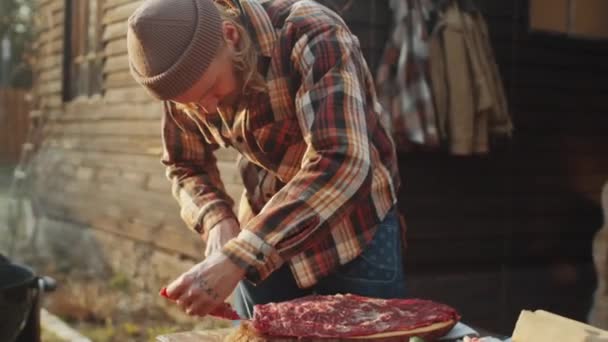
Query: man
point(283, 82)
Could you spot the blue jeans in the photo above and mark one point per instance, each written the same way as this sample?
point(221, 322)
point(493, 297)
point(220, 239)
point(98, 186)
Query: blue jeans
point(377, 272)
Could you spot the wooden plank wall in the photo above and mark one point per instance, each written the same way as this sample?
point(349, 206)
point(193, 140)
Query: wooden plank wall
point(14, 124)
point(103, 152)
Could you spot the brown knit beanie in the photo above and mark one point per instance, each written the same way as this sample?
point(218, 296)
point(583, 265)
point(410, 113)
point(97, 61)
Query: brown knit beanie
point(171, 43)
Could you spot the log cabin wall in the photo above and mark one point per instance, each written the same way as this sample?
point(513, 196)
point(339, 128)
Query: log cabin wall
point(97, 173)
point(477, 226)
point(104, 202)
point(14, 124)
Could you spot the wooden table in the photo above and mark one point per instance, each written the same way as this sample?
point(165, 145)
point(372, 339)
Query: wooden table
point(215, 335)
point(218, 335)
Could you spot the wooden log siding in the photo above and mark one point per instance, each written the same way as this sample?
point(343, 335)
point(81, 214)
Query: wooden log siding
point(14, 124)
point(104, 151)
point(49, 18)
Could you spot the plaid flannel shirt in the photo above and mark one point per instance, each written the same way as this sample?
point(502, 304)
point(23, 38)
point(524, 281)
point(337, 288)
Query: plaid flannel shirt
point(320, 171)
point(403, 77)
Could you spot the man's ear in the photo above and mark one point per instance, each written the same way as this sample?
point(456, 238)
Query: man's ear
point(231, 34)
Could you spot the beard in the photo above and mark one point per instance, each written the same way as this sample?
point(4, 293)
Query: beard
point(230, 100)
point(234, 98)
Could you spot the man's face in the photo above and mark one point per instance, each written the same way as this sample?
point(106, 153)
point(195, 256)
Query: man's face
point(217, 87)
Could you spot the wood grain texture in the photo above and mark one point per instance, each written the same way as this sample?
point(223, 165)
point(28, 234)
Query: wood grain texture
point(217, 335)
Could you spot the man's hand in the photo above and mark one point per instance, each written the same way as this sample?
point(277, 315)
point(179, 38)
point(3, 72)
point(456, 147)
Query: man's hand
point(220, 234)
point(206, 285)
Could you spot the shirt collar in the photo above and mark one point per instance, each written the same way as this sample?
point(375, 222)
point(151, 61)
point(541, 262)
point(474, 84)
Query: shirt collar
point(265, 33)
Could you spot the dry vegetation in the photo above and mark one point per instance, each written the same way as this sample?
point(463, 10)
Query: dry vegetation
point(111, 310)
point(105, 309)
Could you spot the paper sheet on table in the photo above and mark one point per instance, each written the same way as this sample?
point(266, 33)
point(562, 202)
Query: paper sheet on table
point(460, 330)
point(544, 326)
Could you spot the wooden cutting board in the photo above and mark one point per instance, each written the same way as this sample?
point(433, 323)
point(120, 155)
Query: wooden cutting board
point(215, 335)
point(218, 335)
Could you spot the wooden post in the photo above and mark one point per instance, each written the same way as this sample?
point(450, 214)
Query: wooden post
point(14, 124)
point(598, 316)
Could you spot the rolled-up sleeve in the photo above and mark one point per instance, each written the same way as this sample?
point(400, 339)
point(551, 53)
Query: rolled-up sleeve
point(192, 169)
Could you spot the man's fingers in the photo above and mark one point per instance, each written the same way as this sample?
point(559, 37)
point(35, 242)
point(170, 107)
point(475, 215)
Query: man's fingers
point(186, 299)
point(178, 287)
point(200, 307)
point(205, 286)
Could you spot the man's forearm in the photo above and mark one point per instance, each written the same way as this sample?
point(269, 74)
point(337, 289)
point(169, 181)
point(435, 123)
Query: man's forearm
point(220, 234)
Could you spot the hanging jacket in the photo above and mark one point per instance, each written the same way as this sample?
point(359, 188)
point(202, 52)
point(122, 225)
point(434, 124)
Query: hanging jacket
point(402, 78)
point(468, 93)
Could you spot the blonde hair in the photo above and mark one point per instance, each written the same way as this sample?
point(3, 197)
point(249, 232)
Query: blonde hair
point(245, 58)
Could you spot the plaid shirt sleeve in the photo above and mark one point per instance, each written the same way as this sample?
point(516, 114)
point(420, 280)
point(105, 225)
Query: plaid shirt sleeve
point(192, 169)
point(331, 107)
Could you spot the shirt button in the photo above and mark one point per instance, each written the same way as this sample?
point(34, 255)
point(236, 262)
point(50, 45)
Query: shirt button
point(239, 139)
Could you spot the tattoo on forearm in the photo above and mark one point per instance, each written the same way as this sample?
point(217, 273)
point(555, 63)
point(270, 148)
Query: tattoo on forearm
point(200, 281)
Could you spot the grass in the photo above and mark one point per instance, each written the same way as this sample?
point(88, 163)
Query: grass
point(6, 174)
point(128, 331)
point(105, 310)
point(99, 333)
point(120, 282)
point(48, 336)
